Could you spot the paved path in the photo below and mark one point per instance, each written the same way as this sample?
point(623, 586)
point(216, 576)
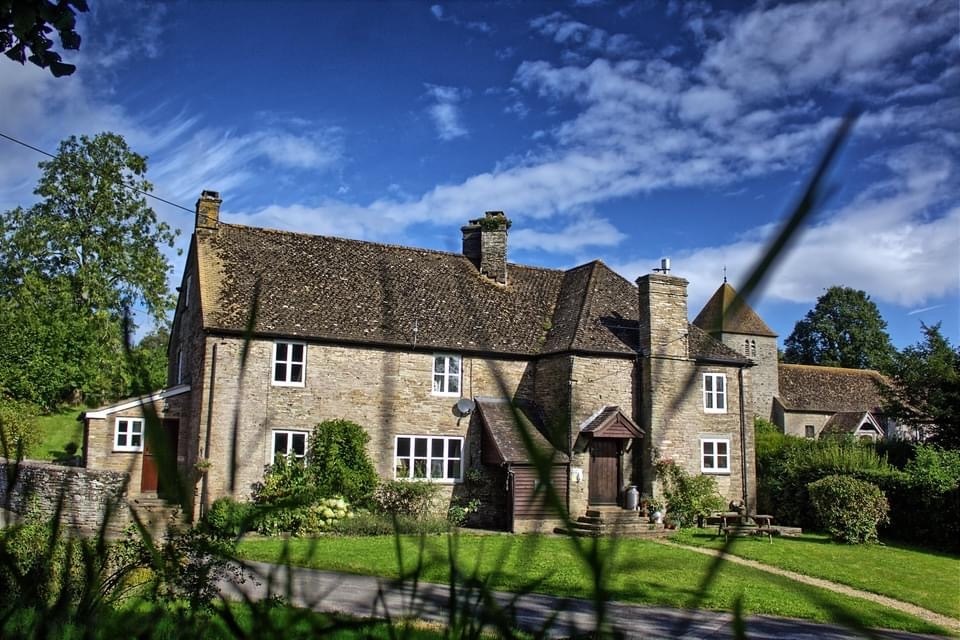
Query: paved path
point(366, 596)
point(936, 618)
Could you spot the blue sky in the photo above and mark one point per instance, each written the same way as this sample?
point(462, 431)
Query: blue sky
point(621, 131)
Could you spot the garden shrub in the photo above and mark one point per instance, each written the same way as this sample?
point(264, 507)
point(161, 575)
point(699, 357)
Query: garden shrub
point(687, 496)
point(338, 461)
point(228, 518)
point(459, 511)
point(18, 430)
point(396, 497)
point(849, 509)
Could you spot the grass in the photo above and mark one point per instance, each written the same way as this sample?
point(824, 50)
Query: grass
point(925, 578)
point(635, 571)
point(57, 429)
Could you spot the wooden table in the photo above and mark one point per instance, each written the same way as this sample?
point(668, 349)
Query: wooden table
point(754, 524)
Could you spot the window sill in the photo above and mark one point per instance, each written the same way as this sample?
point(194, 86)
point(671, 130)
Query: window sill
point(715, 411)
point(445, 394)
point(127, 451)
point(430, 480)
point(715, 472)
point(288, 384)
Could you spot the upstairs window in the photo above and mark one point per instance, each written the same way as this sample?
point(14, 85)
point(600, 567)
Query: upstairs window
point(128, 435)
point(714, 393)
point(446, 375)
point(434, 458)
point(715, 455)
point(289, 444)
point(289, 362)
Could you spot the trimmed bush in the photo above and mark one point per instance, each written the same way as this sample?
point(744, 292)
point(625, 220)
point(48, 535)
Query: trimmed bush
point(338, 461)
point(849, 509)
point(416, 499)
point(228, 518)
point(366, 523)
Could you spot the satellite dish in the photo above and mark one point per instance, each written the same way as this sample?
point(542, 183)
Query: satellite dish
point(465, 406)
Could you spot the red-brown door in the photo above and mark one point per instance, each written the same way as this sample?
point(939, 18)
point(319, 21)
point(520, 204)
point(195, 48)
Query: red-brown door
point(149, 478)
point(604, 471)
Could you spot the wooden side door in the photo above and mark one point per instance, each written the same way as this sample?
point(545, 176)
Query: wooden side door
point(149, 476)
point(604, 471)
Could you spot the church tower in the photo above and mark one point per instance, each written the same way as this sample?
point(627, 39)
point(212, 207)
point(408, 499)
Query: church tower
point(738, 326)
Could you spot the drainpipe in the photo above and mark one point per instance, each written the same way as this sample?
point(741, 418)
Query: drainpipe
point(743, 443)
point(206, 449)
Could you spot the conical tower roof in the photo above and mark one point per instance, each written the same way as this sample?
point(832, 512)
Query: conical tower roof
point(717, 317)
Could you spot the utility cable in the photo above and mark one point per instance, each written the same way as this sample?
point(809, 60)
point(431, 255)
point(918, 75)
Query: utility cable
point(128, 186)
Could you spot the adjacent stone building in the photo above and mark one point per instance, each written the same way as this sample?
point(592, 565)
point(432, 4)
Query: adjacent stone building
point(465, 369)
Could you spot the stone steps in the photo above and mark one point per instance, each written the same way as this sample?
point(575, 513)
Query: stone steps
point(614, 521)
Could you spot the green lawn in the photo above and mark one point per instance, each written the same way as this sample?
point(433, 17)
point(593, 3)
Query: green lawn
point(57, 430)
point(929, 579)
point(635, 571)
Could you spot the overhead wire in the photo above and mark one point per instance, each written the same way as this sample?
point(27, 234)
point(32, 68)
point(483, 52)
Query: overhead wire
point(125, 185)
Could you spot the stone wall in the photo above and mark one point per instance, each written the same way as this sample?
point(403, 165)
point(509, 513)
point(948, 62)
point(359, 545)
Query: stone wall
point(82, 496)
point(764, 377)
point(389, 392)
point(676, 423)
point(594, 383)
point(99, 438)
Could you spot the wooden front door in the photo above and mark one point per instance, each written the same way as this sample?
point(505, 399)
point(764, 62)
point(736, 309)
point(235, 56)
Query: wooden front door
point(604, 471)
point(149, 478)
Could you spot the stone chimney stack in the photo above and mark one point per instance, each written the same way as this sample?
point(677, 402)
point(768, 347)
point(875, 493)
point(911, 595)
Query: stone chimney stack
point(485, 244)
point(663, 316)
point(208, 210)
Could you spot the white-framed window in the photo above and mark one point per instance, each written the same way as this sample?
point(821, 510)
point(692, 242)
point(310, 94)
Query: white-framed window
point(437, 458)
point(446, 374)
point(289, 444)
point(714, 393)
point(128, 434)
point(715, 455)
point(289, 363)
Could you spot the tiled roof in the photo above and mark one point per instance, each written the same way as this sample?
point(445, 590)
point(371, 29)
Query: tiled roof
point(326, 288)
point(829, 389)
point(845, 422)
point(504, 422)
point(323, 287)
point(719, 315)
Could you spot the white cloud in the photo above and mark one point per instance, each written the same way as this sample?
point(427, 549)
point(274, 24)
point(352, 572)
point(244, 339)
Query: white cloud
point(445, 112)
point(473, 25)
point(569, 32)
point(893, 241)
point(586, 231)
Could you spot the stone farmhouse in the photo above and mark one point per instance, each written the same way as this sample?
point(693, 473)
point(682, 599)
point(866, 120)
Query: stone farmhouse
point(465, 369)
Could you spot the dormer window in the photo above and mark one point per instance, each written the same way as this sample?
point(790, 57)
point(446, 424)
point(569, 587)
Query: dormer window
point(289, 363)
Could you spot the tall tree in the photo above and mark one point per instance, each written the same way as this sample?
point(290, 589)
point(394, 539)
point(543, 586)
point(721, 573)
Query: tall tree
point(925, 388)
point(844, 329)
point(71, 268)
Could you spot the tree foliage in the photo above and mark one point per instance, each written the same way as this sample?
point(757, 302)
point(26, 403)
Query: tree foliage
point(925, 388)
point(844, 329)
point(71, 268)
point(25, 25)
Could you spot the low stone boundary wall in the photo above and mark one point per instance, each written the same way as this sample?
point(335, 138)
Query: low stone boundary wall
point(82, 496)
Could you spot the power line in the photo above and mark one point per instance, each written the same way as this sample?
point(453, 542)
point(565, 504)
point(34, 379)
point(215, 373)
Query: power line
point(128, 186)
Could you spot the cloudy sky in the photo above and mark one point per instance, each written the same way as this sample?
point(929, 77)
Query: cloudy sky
point(620, 131)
